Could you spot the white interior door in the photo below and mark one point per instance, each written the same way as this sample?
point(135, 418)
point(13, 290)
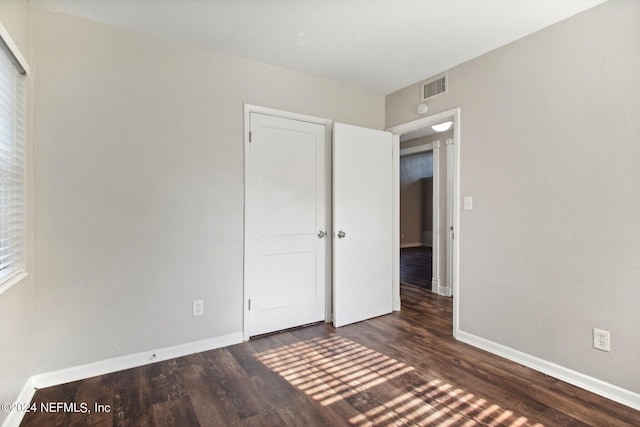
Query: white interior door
point(285, 217)
point(363, 223)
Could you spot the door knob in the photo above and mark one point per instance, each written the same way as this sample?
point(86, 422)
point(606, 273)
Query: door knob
point(322, 234)
point(341, 234)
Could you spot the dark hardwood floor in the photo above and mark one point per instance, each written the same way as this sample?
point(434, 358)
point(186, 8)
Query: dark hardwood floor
point(415, 266)
point(400, 369)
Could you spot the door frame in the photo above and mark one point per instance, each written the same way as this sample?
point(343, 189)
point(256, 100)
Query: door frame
point(453, 218)
point(248, 207)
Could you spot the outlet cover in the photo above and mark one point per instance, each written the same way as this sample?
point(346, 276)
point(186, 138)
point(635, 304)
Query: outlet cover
point(601, 340)
point(198, 307)
point(468, 203)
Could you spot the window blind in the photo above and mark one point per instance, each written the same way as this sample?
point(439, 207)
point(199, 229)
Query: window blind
point(12, 135)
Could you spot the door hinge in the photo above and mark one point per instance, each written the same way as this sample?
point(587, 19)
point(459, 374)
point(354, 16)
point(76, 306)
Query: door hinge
point(250, 134)
point(249, 304)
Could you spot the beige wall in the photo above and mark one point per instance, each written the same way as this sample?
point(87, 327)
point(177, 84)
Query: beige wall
point(139, 185)
point(16, 303)
point(549, 152)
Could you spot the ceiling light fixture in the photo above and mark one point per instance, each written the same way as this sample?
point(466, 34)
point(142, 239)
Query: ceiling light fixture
point(442, 127)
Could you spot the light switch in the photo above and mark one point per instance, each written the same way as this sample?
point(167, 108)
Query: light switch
point(468, 203)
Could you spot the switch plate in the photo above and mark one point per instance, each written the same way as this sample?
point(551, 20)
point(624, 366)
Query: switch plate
point(601, 340)
point(468, 203)
point(198, 307)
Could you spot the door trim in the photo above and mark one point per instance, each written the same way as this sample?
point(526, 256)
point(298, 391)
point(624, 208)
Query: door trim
point(248, 109)
point(455, 205)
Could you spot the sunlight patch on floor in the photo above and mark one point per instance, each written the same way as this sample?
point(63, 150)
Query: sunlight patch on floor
point(334, 368)
point(330, 369)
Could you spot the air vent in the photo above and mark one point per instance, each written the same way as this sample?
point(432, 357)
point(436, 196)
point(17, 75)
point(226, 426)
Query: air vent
point(434, 87)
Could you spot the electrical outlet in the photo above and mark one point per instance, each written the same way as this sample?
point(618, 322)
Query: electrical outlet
point(198, 307)
point(601, 340)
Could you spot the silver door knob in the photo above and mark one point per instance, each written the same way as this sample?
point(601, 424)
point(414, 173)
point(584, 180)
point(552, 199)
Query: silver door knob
point(322, 234)
point(341, 234)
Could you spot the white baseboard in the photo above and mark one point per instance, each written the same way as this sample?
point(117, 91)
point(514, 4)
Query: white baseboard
point(411, 245)
point(594, 385)
point(132, 360)
point(443, 290)
point(62, 376)
point(26, 394)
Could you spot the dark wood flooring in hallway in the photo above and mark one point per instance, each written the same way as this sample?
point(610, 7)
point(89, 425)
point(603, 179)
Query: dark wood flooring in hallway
point(403, 369)
point(416, 266)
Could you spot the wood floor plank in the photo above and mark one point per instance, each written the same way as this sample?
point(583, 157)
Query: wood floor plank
point(61, 393)
point(132, 397)
point(174, 412)
point(93, 392)
point(165, 382)
point(208, 407)
point(403, 369)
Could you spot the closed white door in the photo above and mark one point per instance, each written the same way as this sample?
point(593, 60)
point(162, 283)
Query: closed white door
point(285, 221)
point(363, 223)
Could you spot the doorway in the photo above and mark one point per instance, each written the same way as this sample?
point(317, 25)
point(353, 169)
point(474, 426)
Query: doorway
point(446, 235)
point(417, 205)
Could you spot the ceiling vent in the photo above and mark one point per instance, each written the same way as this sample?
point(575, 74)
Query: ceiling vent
point(434, 87)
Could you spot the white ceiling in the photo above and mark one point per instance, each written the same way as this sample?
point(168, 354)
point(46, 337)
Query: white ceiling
point(378, 45)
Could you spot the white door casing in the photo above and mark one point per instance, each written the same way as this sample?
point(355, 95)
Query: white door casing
point(286, 213)
point(363, 223)
point(452, 229)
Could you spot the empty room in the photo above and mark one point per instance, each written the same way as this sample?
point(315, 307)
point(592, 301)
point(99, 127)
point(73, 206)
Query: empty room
point(202, 212)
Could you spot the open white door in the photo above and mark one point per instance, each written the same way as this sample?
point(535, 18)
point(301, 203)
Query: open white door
point(363, 223)
point(285, 240)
